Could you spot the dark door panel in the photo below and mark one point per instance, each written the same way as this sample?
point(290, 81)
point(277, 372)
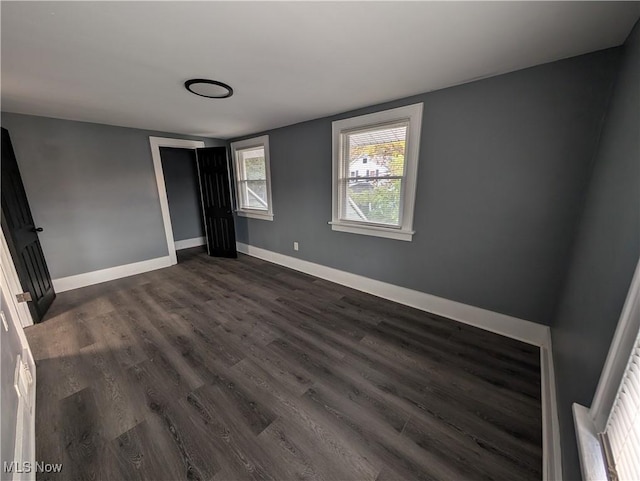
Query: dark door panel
point(217, 209)
point(22, 235)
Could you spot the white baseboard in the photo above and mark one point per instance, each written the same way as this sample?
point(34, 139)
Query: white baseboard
point(96, 277)
point(520, 329)
point(188, 243)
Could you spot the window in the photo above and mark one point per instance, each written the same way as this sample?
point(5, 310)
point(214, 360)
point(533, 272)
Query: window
point(608, 433)
point(375, 163)
point(621, 438)
point(253, 178)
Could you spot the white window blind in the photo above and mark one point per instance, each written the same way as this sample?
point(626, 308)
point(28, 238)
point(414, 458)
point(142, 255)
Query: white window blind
point(623, 426)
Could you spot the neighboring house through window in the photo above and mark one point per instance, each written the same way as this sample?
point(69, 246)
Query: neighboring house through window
point(253, 177)
point(375, 163)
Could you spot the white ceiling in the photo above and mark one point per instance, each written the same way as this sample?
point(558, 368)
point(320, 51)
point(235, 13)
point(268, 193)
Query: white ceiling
point(125, 63)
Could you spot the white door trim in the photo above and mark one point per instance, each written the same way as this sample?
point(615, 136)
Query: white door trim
point(156, 143)
point(13, 284)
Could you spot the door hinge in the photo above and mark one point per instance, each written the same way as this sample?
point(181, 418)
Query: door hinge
point(24, 297)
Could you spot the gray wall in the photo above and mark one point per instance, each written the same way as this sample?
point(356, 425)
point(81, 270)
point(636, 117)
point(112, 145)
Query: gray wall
point(604, 257)
point(92, 188)
point(503, 167)
point(183, 192)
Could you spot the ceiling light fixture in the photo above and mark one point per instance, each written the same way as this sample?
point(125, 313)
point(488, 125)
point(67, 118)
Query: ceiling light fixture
point(211, 89)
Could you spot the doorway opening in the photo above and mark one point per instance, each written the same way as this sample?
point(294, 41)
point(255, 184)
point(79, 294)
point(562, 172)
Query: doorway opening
point(174, 162)
point(183, 196)
point(212, 191)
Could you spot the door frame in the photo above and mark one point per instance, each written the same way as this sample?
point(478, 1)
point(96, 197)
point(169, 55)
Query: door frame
point(156, 143)
point(13, 285)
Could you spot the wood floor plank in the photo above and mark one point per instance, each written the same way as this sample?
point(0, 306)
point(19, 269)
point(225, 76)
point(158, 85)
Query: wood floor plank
point(248, 459)
point(388, 353)
point(465, 390)
point(475, 459)
point(297, 410)
point(238, 369)
point(514, 380)
point(145, 452)
point(462, 415)
point(115, 334)
point(155, 346)
point(386, 446)
point(291, 378)
point(117, 400)
point(83, 442)
point(301, 458)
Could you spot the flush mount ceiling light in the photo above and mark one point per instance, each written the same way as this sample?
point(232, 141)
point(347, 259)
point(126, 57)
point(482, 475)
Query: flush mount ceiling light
point(208, 88)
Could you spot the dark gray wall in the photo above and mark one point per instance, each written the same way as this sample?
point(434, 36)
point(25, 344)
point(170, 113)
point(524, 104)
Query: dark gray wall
point(92, 188)
point(604, 257)
point(183, 192)
point(503, 166)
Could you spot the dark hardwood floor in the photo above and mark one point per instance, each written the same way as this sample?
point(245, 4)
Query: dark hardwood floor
point(223, 369)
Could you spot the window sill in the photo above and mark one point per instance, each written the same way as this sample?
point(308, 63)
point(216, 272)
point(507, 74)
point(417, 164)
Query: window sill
point(397, 234)
point(592, 461)
point(255, 215)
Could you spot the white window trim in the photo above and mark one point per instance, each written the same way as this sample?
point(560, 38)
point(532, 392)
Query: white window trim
point(262, 141)
point(591, 421)
point(412, 113)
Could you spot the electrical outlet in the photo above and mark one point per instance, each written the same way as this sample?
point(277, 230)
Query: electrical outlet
point(295, 246)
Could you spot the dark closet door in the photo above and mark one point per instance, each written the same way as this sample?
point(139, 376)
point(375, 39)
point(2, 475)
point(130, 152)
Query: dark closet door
point(22, 235)
point(217, 209)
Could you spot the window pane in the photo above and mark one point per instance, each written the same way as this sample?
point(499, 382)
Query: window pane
point(376, 201)
point(378, 152)
point(253, 164)
point(254, 194)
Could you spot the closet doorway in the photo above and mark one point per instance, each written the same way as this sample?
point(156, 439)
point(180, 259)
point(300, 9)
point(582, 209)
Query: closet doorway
point(194, 189)
point(174, 149)
point(183, 196)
